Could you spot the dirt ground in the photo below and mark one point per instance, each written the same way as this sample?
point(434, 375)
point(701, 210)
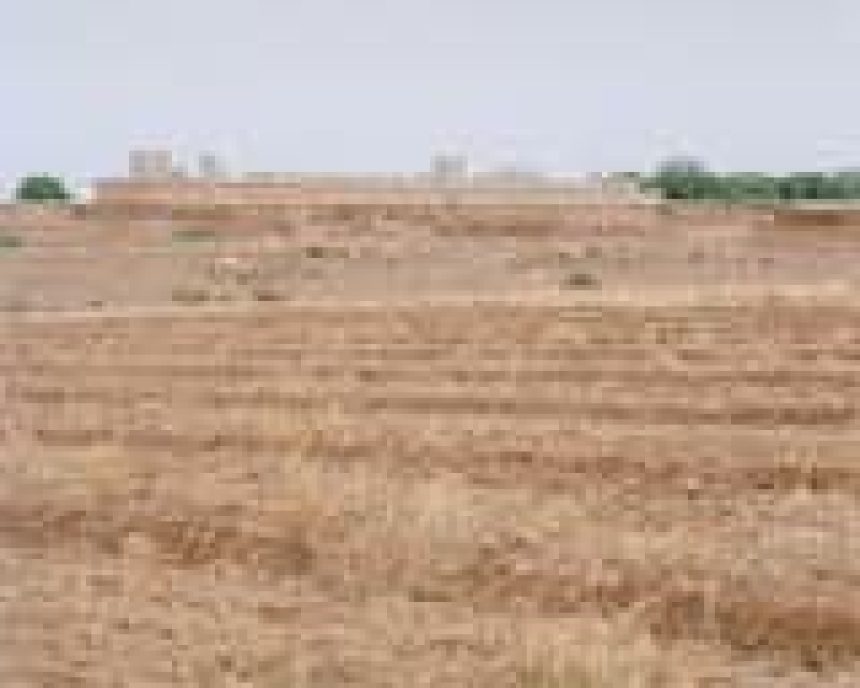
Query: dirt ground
point(372, 452)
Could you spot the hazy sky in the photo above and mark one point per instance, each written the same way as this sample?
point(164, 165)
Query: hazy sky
point(378, 85)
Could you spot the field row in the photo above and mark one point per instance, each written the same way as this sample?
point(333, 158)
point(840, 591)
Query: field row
point(397, 486)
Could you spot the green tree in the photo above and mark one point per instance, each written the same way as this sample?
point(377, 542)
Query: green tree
point(42, 187)
point(750, 186)
point(811, 186)
point(683, 178)
point(848, 182)
point(786, 189)
point(689, 179)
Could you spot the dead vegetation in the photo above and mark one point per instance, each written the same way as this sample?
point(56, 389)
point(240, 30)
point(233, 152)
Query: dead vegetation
point(581, 489)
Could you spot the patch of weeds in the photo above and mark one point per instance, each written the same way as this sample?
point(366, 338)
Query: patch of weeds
point(192, 235)
point(189, 295)
point(566, 258)
point(9, 242)
point(245, 277)
point(314, 251)
point(266, 295)
point(581, 280)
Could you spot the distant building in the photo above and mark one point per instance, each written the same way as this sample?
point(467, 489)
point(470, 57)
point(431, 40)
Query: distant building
point(212, 166)
point(155, 179)
point(447, 167)
point(151, 164)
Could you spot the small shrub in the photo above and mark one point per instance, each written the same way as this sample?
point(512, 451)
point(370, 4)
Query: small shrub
point(565, 258)
point(315, 251)
point(331, 252)
point(266, 295)
point(581, 280)
point(193, 234)
point(244, 278)
point(10, 241)
point(188, 295)
point(39, 188)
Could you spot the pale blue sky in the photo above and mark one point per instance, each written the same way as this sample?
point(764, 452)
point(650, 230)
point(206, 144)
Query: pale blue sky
point(378, 85)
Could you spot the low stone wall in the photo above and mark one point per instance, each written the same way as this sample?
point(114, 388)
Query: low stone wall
point(326, 193)
point(32, 216)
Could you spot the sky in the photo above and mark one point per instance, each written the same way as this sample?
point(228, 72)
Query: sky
point(380, 85)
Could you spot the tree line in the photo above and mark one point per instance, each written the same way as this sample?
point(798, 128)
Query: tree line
point(689, 179)
point(675, 179)
point(41, 188)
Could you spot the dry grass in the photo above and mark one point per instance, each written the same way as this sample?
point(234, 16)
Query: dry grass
point(634, 485)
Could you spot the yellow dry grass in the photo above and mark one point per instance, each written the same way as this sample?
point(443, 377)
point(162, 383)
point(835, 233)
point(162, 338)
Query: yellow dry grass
point(651, 484)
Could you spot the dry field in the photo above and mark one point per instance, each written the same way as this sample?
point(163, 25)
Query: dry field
point(429, 452)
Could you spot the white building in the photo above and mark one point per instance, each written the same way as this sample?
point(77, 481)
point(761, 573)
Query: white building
point(211, 166)
point(151, 164)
